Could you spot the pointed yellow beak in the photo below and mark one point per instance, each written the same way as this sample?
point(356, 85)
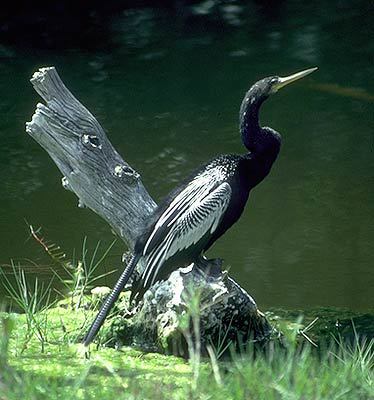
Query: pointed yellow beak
point(292, 78)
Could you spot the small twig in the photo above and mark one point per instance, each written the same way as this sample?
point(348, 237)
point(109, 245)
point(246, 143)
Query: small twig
point(302, 332)
point(37, 238)
point(308, 339)
point(310, 326)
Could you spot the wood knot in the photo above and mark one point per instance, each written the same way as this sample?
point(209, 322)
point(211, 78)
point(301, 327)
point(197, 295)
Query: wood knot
point(123, 170)
point(91, 140)
point(65, 183)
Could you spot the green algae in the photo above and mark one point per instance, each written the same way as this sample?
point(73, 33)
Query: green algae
point(63, 370)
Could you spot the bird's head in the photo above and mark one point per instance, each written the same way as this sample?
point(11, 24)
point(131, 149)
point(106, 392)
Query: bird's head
point(258, 139)
point(272, 84)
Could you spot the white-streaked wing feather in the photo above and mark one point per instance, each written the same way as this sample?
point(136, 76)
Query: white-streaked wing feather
point(198, 188)
point(199, 216)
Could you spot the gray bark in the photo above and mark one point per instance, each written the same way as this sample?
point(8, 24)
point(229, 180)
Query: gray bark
point(91, 166)
point(107, 184)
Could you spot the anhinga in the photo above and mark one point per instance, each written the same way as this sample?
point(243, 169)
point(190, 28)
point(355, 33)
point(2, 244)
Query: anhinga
point(204, 206)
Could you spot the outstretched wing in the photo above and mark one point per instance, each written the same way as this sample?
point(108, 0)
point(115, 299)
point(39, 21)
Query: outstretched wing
point(196, 211)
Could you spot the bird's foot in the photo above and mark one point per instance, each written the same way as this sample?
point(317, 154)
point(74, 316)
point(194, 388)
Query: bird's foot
point(210, 267)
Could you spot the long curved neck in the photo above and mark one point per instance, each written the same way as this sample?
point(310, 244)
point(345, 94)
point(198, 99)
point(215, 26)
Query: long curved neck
point(263, 142)
point(251, 132)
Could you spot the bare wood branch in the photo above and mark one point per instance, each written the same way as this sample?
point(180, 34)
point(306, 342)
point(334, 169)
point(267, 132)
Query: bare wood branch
point(91, 166)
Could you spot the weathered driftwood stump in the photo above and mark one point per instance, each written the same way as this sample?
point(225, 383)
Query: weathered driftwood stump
point(105, 183)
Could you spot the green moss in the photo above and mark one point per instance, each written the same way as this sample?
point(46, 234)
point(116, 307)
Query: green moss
point(62, 370)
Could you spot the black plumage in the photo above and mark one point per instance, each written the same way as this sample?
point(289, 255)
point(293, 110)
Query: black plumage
point(206, 204)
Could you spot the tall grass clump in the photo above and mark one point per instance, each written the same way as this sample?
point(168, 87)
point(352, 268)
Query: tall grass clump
point(32, 300)
point(291, 368)
point(294, 370)
point(80, 273)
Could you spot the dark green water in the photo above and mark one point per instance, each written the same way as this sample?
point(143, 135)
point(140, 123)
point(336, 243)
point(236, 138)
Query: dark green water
point(168, 91)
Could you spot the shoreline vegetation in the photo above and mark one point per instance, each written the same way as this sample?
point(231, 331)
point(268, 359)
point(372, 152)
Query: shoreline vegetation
point(45, 360)
point(329, 357)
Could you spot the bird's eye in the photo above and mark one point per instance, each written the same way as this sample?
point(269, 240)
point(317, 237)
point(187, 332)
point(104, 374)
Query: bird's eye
point(274, 80)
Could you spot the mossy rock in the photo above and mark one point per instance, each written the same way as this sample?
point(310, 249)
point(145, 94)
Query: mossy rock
point(225, 313)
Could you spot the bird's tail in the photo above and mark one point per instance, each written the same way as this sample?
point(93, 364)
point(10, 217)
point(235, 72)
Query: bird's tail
point(110, 300)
